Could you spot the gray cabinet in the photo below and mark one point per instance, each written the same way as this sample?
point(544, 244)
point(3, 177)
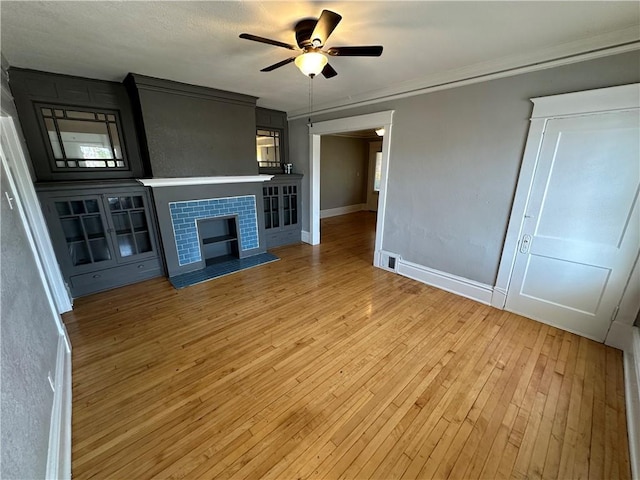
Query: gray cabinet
point(76, 128)
point(103, 237)
point(282, 204)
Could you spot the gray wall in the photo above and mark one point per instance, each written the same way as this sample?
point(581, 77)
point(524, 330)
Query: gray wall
point(194, 131)
point(28, 346)
point(343, 171)
point(455, 158)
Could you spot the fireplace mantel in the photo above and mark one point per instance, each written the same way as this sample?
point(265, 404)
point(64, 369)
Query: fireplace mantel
point(181, 181)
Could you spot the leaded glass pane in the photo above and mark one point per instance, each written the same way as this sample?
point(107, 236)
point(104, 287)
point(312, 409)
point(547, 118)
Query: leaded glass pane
point(83, 139)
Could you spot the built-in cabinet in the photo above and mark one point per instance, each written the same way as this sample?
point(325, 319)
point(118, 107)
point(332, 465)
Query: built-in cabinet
point(89, 140)
point(103, 237)
point(76, 128)
point(282, 205)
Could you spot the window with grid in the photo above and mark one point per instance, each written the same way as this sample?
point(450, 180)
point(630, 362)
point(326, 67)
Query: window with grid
point(82, 139)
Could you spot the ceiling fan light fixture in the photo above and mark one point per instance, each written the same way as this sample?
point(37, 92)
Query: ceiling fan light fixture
point(380, 132)
point(311, 63)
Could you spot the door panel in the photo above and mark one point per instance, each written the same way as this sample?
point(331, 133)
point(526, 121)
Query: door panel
point(130, 226)
point(577, 286)
point(585, 161)
point(581, 231)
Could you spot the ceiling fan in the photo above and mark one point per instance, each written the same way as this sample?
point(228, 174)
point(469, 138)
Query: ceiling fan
point(311, 37)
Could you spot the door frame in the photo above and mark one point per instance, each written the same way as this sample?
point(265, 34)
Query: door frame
point(348, 124)
point(20, 171)
point(590, 102)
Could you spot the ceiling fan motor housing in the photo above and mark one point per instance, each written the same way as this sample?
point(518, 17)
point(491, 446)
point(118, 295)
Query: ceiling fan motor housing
point(304, 29)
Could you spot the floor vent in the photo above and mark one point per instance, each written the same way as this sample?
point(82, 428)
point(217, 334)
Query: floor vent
point(389, 261)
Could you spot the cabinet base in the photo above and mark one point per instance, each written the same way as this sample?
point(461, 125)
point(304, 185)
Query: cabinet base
point(100, 281)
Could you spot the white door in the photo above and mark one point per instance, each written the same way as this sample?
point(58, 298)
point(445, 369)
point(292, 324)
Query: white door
point(373, 181)
point(581, 232)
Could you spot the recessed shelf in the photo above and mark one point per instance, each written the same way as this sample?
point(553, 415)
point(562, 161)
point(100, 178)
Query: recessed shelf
point(220, 259)
point(219, 239)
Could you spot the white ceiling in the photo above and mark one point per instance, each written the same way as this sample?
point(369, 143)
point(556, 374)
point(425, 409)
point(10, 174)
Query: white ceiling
point(425, 43)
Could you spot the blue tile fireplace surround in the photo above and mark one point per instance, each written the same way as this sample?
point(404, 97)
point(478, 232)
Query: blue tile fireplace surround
point(202, 220)
point(185, 214)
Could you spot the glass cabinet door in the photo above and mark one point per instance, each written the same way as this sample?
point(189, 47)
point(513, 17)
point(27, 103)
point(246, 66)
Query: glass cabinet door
point(290, 204)
point(130, 225)
point(84, 232)
point(271, 207)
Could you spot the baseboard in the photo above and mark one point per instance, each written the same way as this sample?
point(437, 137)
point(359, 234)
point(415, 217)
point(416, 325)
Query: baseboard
point(305, 237)
point(334, 212)
point(620, 336)
point(498, 298)
point(627, 338)
point(445, 281)
point(632, 397)
point(59, 454)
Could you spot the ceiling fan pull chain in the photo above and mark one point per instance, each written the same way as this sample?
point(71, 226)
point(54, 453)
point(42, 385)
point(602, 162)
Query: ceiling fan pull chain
point(310, 99)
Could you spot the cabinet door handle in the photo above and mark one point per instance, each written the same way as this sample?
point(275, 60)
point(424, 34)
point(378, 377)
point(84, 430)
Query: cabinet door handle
point(141, 266)
point(97, 275)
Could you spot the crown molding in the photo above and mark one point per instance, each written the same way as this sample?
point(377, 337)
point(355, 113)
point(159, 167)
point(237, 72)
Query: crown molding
point(612, 43)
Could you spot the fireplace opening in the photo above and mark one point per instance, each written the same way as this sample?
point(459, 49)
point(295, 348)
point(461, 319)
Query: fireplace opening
point(218, 239)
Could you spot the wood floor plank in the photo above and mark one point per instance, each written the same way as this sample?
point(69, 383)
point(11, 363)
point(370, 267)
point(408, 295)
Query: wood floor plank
point(568, 456)
point(567, 358)
point(322, 366)
point(597, 447)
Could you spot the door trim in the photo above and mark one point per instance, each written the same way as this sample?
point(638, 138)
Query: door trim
point(605, 100)
point(58, 463)
point(44, 248)
point(350, 124)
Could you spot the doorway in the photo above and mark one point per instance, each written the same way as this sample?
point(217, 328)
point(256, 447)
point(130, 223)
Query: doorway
point(362, 122)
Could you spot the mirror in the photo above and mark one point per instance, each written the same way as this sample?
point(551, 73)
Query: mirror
point(268, 148)
point(83, 139)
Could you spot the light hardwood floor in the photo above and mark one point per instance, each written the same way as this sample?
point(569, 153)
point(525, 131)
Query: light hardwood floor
point(321, 366)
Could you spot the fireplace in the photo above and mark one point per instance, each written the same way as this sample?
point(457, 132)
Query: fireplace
point(218, 239)
point(185, 217)
point(208, 219)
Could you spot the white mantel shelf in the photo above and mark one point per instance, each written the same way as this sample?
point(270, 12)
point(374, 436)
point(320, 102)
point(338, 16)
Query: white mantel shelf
point(182, 181)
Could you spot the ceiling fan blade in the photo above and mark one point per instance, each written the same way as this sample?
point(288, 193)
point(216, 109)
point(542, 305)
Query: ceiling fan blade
point(328, 71)
point(327, 23)
point(363, 51)
point(278, 65)
point(255, 38)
